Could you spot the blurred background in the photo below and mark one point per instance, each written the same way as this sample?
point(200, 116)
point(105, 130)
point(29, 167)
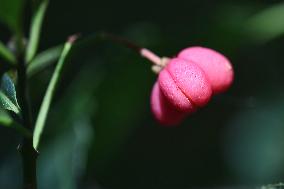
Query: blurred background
point(100, 132)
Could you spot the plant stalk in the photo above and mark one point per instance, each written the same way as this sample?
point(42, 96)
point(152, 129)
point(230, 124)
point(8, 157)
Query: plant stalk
point(104, 36)
point(146, 53)
point(28, 154)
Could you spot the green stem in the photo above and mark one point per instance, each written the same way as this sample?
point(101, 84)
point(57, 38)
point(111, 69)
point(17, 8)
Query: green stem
point(29, 159)
point(22, 130)
point(29, 155)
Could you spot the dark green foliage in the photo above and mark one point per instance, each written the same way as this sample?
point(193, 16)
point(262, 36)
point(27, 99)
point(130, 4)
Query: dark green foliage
point(8, 96)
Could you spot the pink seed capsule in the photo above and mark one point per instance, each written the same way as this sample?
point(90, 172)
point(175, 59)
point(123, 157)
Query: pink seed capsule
point(163, 111)
point(217, 67)
point(184, 85)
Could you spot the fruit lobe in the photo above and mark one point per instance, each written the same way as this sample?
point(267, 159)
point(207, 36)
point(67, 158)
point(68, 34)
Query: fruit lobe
point(184, 85)
point(217, 67)
point(163, 111)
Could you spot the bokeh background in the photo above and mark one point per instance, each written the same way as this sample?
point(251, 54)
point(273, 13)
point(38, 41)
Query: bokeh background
point(100, 131)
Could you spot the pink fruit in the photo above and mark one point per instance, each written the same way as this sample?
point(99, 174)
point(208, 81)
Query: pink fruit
point(187, 82)
point(184, 85)
point(217, 67)
point(163, 111)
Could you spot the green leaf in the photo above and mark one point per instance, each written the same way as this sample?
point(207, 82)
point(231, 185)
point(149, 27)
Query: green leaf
point(8, 99)
point(7, 121)
point(44, 59)
point(7, 54)
point(44, 108)
point(6, 103)
point(267, 24)
point(35, 31)
point(10, 13)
